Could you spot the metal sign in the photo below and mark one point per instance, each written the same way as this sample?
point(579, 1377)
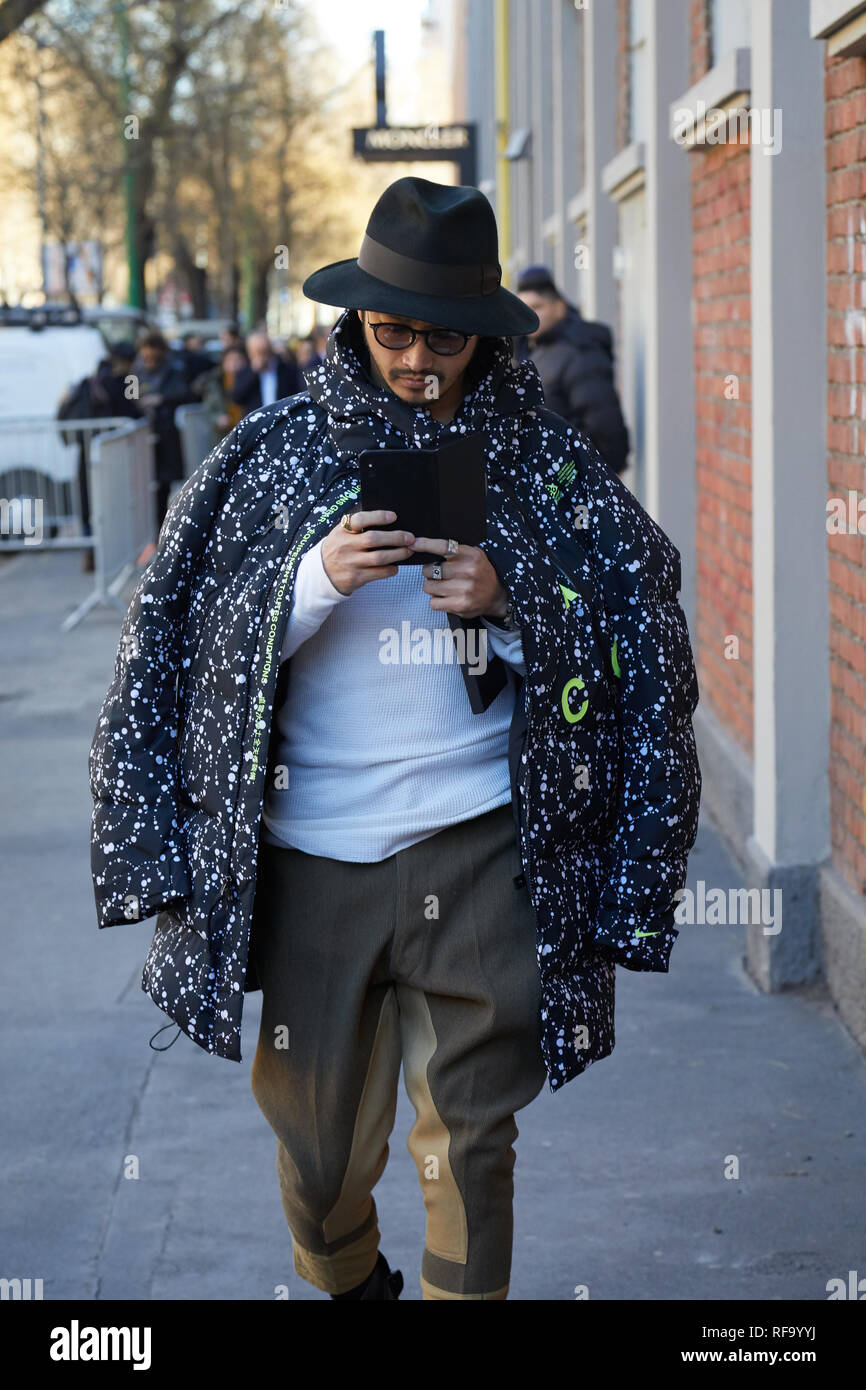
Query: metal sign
point(455, 142)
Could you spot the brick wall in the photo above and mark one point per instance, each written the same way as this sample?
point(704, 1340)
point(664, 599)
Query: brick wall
point(721, 290)
point(701, 55)
point(623, 95)
point(845, 128)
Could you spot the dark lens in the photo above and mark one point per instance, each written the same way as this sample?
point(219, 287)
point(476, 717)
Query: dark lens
point(393, 335)
point(447, 342)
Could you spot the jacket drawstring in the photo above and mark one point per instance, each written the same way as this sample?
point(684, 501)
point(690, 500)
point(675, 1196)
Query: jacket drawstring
point(162, 1030)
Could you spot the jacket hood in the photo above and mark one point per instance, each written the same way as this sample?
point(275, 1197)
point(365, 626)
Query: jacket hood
point(361, 414)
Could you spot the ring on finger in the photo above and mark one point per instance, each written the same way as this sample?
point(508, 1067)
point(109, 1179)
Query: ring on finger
point(453, 547)
point(344, 522)
point(437, 572)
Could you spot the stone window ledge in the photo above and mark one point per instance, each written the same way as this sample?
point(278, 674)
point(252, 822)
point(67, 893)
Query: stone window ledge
point(625, 173)
point(578, 206)
point(725, 87)
point(842, 23)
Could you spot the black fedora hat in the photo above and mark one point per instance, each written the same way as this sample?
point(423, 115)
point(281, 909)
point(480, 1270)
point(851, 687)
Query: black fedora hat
point(430, 252)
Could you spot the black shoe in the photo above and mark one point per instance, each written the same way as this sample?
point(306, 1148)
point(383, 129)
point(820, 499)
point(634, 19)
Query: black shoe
point(382, 1283)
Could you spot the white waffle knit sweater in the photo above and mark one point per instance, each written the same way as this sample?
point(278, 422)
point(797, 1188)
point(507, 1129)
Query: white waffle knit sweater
point(374, 755)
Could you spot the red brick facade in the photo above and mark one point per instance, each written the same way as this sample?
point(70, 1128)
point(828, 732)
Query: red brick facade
point(845, 128)
point(721, 290)
point(701, 54)
point(623, 83)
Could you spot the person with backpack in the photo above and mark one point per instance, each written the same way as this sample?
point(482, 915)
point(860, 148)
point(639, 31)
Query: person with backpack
point(411, 878)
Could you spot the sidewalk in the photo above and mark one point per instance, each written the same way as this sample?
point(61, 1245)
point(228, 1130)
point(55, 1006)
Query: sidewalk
point(619, 1183)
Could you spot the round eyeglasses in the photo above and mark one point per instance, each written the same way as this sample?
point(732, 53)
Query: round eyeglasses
point(399, 336)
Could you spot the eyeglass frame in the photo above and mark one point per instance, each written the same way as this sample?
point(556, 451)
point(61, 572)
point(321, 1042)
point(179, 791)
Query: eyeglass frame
point(416, 334)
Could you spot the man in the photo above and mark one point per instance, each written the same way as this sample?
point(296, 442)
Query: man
point(100, 396)
point(267, 379)
point(162, 388)
point(405, 880)
point(194, 361)
point(575, 362)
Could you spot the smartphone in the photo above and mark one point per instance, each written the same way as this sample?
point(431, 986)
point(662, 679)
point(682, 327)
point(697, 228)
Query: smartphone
point(435, 492)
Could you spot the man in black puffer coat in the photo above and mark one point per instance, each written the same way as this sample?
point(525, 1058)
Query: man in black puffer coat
point(409, 879)
point(574, 359)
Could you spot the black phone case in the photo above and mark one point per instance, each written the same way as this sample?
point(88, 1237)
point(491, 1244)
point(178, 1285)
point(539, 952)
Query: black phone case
point(435, 492)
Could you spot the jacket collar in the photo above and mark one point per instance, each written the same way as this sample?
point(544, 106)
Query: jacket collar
point(363, 415)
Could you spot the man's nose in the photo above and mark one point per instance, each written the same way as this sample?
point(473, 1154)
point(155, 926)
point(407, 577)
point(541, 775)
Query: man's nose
point(418, 356)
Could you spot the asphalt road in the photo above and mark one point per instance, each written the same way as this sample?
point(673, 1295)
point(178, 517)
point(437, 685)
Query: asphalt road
point(620, 1180)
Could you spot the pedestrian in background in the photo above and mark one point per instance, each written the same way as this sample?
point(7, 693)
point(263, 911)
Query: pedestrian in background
point(231, 336)
point(162, 388)
point(575, 360)
point(99, 396)
point(267, 379)
point(217, 388)
point(305, 354)
point(195, 363)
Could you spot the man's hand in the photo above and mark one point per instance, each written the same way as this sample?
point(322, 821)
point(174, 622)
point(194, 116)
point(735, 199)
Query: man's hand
point(352, 558)
point(469, 585)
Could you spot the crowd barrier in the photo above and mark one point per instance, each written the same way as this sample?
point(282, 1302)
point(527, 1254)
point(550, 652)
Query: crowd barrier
point(41, 505)
point(197, 435)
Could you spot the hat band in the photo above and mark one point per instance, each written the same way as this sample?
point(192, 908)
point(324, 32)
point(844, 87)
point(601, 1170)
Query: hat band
point(404, 273)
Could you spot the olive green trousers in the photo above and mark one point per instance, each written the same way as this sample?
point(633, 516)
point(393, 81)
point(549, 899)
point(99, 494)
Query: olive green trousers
point(426, 958)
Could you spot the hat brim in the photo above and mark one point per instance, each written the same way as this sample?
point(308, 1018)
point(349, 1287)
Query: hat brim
point(344, 285)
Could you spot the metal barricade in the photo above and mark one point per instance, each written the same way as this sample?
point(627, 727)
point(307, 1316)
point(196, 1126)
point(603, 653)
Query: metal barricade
point(42, 461)
point(122, 512)
point(197, 435)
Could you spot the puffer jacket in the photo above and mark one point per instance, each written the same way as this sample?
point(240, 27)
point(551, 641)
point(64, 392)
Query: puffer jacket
point(604, 772)
point(575, 361)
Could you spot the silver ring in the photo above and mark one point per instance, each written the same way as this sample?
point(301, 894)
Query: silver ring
point(437, 571)
point(453, 547)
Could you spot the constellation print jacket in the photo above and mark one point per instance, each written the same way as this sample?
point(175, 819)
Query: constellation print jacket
point(604, 772)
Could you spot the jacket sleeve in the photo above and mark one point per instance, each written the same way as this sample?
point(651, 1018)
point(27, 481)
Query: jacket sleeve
point(653, 669)
point(137, 854)
point(588, 386)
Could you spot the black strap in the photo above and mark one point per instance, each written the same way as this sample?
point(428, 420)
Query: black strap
point(482, 689)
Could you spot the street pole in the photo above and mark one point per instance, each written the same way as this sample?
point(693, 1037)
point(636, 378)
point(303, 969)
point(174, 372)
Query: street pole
point(134, 296)
point(40, 175)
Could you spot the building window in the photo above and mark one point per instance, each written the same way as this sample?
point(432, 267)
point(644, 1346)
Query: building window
point(730, 27)
point(638, 32)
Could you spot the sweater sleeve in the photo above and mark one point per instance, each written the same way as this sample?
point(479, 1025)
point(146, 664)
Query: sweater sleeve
point(508, 644)
point(313, 598)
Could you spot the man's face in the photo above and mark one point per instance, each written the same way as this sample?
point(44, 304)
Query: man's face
point(259, 351)
point(152, 357)
point(549, 311)
point(193, 343)
point(416, 374)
